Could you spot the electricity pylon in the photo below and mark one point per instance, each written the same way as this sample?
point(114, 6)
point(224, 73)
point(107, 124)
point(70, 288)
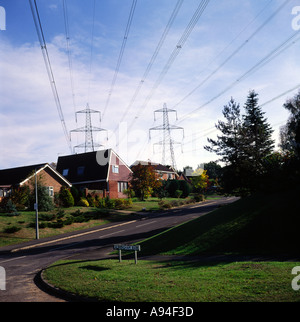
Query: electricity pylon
point(167, 142)
point(89, 144)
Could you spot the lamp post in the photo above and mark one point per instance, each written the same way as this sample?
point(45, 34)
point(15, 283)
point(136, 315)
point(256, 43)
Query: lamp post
point(36, 209)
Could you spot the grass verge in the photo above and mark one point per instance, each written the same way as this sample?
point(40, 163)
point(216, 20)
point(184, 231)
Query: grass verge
point(158, 281)
point(260, 224)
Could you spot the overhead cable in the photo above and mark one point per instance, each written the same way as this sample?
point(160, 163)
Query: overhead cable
point(202, 6)
point(273, 54)
point(131, 14)
point(235, 51)
point(41, 37)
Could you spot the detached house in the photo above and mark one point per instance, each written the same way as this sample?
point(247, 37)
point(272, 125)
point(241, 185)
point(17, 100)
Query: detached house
point(102, 172)
point(164, 172)
point(14, 178)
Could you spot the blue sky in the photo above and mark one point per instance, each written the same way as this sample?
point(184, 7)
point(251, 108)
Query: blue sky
point(229, 39)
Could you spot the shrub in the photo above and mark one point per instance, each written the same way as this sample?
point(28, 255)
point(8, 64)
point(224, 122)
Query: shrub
point(164, 204)
point(91, 200)
point(178, 193)
point(11, 230)
point(199, 197)
point(46, 217)
point(57, 224)
point(45, 202)
point(65, 197)
point(76, 213)
point(110, 203)
point(83, 203)
point(60, 214)
point(174, 203)
point(69, 221)
point(43, 225)
point(11, 209)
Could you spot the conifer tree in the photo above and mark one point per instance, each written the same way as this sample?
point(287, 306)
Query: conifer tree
point(228, 144)
point(257, 135)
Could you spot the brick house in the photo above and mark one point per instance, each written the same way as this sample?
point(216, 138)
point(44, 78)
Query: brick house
point(14, 178)
point(164, 172)
point(102, 173)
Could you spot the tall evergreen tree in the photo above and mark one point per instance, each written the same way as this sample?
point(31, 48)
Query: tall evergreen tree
point(258, 135)
point(244, 144)
point(228, 144)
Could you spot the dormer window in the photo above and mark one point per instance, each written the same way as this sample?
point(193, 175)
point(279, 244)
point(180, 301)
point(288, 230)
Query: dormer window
point(80, 171)
point(65, 172)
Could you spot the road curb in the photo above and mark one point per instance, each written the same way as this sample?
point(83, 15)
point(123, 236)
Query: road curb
point(52, 290)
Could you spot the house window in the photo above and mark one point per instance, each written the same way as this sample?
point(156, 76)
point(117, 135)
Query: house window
point(115, 169)
point(122, 186)
point(65, 172)
point(50, 191)
point(80, 171)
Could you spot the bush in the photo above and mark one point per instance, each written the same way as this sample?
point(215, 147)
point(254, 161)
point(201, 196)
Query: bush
point(110, 203)
point(91, 200)
point(46, 217)
point(174, 203)
point(11, 209)
point(45, 202)
point(57, 224)
point(83, 203)
point(199, 198)
point(11, 230)
point(65, 197)
point(164, 204)
point(178, 193)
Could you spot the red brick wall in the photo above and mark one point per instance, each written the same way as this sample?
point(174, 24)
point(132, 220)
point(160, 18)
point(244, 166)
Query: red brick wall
point(48, 179)
point(114, 178)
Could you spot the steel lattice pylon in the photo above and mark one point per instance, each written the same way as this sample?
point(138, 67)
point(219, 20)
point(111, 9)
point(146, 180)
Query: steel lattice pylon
point(167, 141)
point(89, 144)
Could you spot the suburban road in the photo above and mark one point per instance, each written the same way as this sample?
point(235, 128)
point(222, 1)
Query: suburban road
point(23, 262)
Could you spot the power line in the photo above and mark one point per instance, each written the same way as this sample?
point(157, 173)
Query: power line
point(153, 58)
point(41, 37)
point(67, 32)
point(273, 54)
point(131, 14)
point(203, 4)
point(235, 51)
point(92, 48)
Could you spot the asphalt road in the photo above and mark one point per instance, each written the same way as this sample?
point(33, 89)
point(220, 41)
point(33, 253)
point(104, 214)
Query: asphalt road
point(23, 262)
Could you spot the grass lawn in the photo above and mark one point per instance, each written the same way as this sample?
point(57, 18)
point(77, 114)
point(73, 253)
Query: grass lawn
point(154, 281)
point(21, 228)
point(260, 224)
point(26, 229)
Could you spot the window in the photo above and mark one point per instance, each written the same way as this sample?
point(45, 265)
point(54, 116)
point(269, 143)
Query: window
point(122, 186)
point(115, 169)
point(65, 172)
point(80, 171)
point(50, 191)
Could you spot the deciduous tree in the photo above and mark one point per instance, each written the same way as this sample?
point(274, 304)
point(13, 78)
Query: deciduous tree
point(143, 180)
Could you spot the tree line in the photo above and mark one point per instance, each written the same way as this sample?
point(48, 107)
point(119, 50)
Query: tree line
point(247, 150)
